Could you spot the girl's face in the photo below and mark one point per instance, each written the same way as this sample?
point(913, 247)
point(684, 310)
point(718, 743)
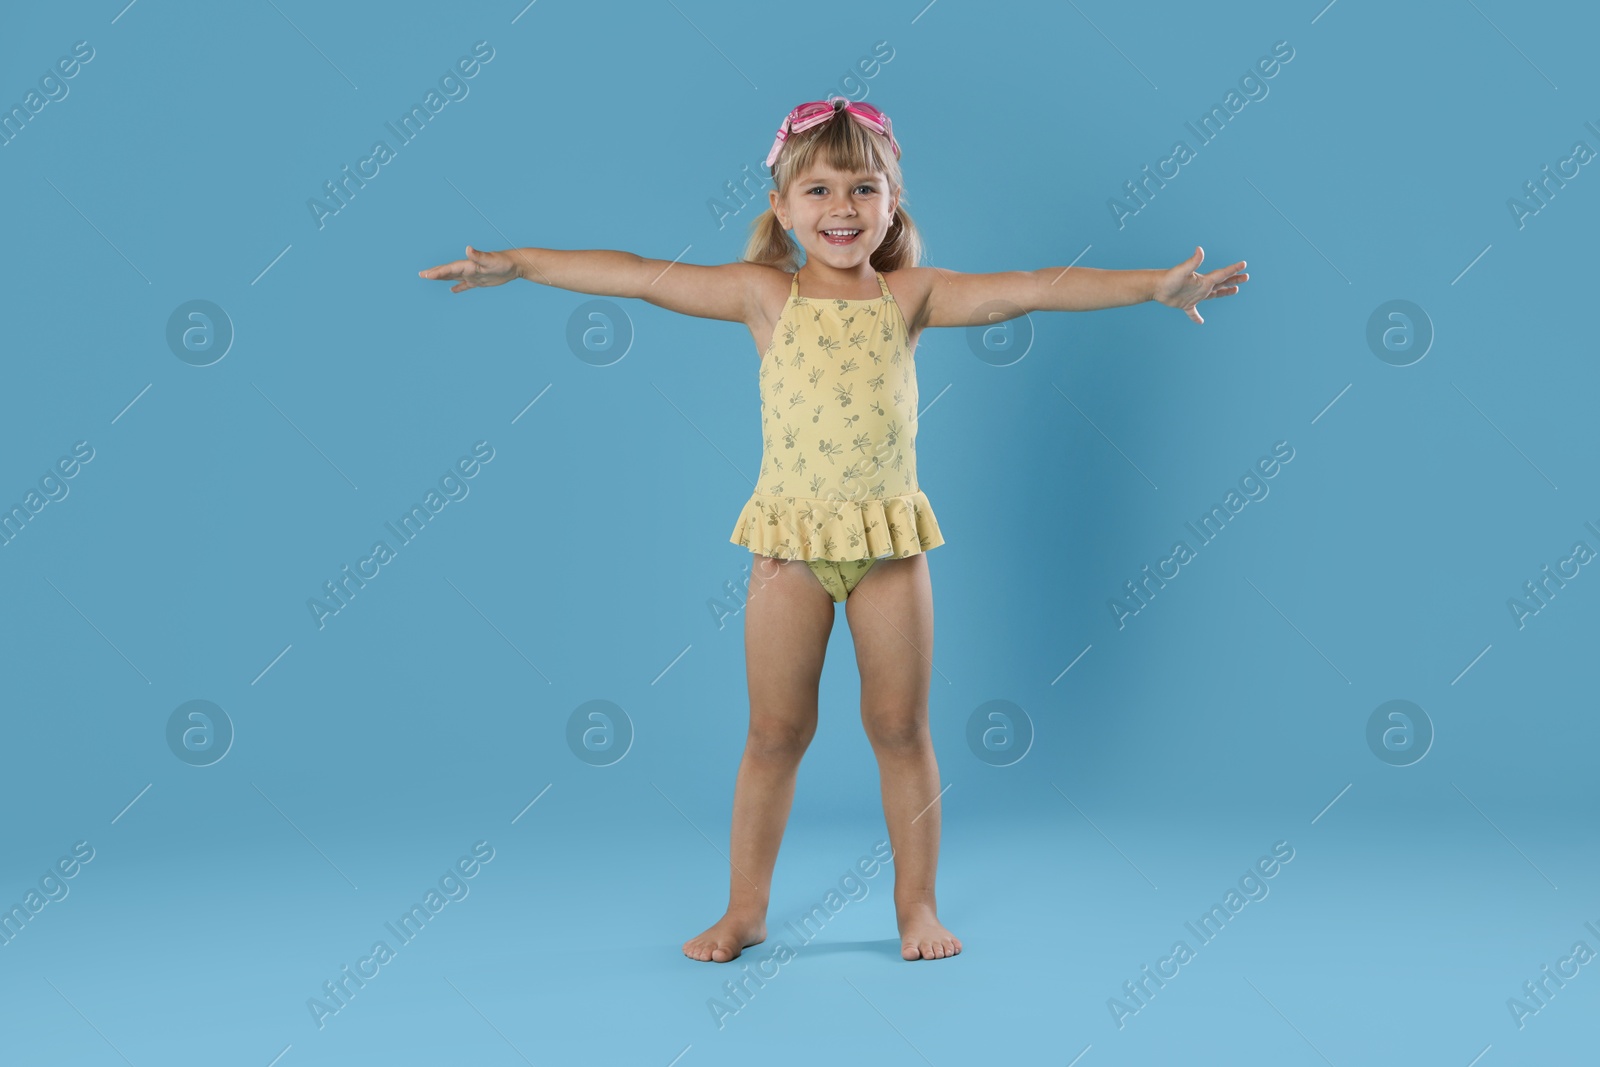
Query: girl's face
point(825, 199)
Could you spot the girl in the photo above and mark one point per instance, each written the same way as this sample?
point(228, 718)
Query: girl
point(838, 488)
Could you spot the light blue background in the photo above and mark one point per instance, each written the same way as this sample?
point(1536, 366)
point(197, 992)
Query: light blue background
point(590, 559)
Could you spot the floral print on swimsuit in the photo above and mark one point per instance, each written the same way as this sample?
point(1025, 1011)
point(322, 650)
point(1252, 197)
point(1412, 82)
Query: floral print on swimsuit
point(839, 427)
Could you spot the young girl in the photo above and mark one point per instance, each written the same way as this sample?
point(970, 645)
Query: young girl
point(837, 335)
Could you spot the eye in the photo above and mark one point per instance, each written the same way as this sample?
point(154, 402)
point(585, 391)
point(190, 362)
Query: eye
point(868, 187)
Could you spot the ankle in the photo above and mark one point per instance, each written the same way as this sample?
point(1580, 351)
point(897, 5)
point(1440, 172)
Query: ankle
point(914, 905)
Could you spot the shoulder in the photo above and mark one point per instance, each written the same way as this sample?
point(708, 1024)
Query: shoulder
point(766, 283)
point(910, 287)
point(766, 290)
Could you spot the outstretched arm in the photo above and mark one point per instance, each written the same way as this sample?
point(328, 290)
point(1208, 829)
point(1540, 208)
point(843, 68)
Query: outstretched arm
point(725, 291)
point(983, 299)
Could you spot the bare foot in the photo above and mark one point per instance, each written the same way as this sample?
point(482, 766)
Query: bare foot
point(727, 938)
point(923, 936)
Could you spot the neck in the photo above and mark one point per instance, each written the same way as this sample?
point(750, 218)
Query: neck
point(821, 276)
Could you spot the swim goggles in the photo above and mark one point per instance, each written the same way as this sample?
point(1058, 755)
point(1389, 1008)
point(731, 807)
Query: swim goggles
point(816, 112)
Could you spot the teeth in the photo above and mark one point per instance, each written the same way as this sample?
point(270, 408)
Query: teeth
point(840, 233)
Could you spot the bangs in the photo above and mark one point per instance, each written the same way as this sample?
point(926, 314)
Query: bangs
point(843, 144)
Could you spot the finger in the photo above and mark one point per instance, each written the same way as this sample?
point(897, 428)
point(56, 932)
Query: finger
point(1195, 315)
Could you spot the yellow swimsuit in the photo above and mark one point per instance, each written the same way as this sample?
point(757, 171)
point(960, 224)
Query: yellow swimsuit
point(838, 484)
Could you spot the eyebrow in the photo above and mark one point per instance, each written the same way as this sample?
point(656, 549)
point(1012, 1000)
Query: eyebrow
point(865, 177)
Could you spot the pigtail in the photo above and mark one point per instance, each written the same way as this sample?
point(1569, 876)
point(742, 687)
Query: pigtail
point(902, 245)
point(770, 244)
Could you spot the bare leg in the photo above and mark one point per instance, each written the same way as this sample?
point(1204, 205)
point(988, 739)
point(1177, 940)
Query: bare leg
point(891, 619)
point(787, 619)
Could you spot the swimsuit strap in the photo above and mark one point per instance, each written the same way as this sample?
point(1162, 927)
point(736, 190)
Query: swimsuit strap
point(883, 285)
point(794, 287)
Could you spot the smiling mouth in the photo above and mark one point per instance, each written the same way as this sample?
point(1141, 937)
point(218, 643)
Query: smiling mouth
point(840, 236)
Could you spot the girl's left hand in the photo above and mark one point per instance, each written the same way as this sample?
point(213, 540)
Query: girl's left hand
point(1183, 288)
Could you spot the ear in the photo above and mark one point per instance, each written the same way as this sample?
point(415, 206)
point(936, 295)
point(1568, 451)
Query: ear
point(772, 201)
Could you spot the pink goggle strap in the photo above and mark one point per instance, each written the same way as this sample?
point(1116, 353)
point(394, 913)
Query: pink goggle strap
point(816, 112)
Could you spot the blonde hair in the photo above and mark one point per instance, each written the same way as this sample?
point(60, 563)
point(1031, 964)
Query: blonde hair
point(846, 145)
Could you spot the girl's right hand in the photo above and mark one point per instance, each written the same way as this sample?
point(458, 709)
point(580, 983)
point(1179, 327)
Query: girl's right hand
point(479, 269)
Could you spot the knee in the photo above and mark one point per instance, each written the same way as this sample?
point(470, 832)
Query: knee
point(779, 741)
point(900, 731)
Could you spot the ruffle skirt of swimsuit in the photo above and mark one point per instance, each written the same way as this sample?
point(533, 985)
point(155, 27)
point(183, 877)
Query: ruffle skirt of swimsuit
point(788, 527)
